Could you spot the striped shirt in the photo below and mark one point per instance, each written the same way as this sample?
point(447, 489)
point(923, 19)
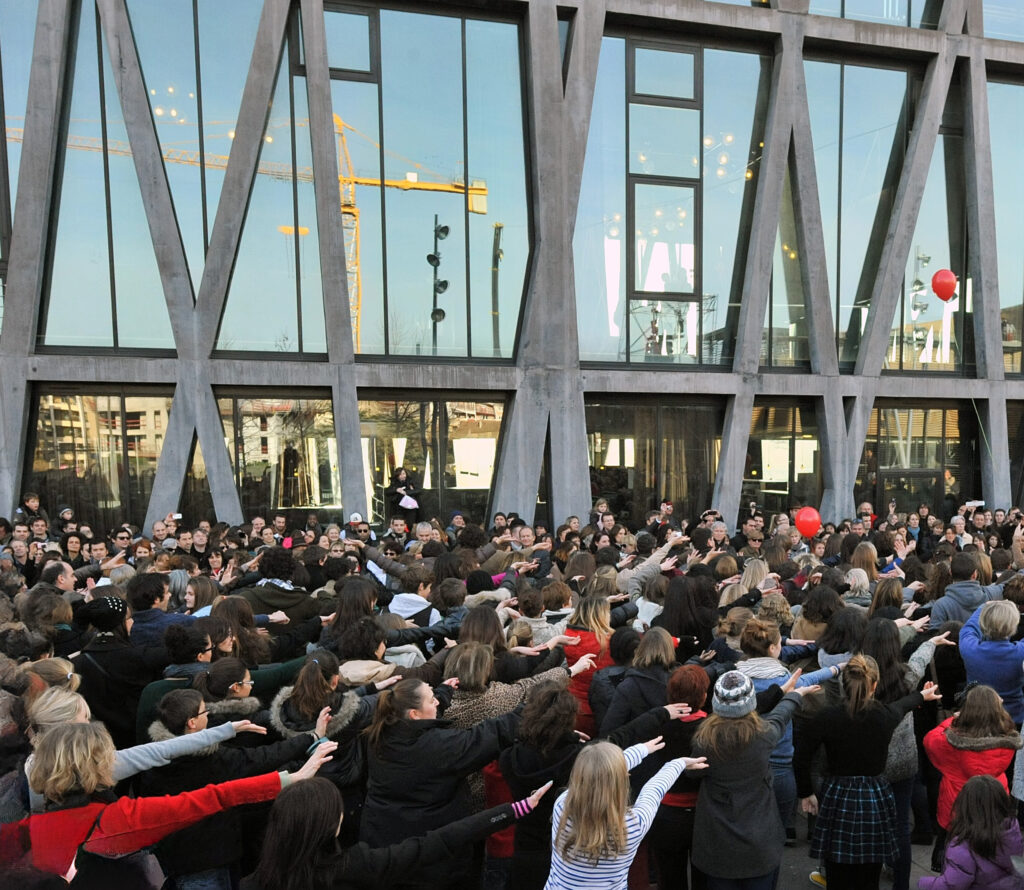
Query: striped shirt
point(611, 874)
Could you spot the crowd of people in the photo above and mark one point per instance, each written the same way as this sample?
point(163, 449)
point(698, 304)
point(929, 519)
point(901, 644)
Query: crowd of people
point(465, 704)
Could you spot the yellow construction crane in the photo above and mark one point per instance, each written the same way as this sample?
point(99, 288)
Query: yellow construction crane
point(347, 182)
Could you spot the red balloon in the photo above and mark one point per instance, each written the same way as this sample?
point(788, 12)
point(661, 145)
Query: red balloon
point(944, 284)
point(808, 521)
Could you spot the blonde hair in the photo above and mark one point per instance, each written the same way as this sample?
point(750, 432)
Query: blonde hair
point(865, 556)
point(57, 672)
point(731, 593)
point(733, 622)
point(775, 607)
point(73, 757)
point(592, 826)
point(655, 650)
point(595, 615)
point(55, 707)
point(999, 619)
point(754, 572)
point(604, 583)
point(472, 663)
point(860, 676)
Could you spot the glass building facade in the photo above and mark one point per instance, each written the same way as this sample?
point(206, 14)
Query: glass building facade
point(266, 252)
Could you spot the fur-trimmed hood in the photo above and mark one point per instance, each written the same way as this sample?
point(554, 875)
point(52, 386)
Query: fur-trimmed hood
point(284, 722)
point(228, 710)
point(159, 732)
point(984, 743)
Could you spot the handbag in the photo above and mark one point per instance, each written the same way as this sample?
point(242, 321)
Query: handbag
point(408, 503)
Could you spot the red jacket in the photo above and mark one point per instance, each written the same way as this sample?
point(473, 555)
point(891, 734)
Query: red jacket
point(579, 685)
point(959, 757)
point(50, 841)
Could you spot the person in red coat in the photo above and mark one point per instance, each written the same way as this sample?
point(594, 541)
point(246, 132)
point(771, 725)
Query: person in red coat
point(591, 622)
point(980, 740)
point(73, 770)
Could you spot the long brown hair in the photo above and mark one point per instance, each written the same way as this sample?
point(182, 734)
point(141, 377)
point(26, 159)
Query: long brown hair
point(313, 687)
point(250, 646)
point(864, 557)
point(888, 594)
point(393, 706)
point(860, 676)
point(726, 737)
point(980, 813)
point(983, 715)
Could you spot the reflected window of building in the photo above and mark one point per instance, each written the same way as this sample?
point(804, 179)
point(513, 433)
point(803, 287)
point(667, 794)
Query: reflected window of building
point(927, 454)
point(17, 37)
point(1015, 427)
point(642, 454)
point(909, 13)
point(283, 451)
point(104, 287)
point(448, 449)
point(667, 195)
point(1006, 130)
point(96, 451)
point(859, 120)
point(783, 465)
point(431, 152)
point(1004, 19)
point(275, 302)
point(196, 498)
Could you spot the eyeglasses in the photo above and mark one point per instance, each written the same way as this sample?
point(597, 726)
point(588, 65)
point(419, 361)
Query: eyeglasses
point(362, 531)
point(245, 683)
point(200, 714)
point(207, 649)
point(123, 537)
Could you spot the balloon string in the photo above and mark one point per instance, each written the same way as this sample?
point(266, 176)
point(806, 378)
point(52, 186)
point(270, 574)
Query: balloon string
point(981, 427)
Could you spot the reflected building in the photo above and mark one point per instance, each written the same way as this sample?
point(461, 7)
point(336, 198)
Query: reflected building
point(535, 253)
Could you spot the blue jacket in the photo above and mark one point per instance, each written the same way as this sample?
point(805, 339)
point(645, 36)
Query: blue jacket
point(149, 625)
point(996, 663)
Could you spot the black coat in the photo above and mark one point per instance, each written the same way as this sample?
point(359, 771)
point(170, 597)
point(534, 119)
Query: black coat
point(417, 775)
point(216, 841)
point(114, 673)
point(640, 690)
point(602, 690)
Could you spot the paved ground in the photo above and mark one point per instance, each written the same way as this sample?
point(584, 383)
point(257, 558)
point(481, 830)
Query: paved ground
point(797, 865)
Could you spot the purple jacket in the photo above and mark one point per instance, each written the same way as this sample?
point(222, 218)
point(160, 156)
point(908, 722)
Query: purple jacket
point(966, 870)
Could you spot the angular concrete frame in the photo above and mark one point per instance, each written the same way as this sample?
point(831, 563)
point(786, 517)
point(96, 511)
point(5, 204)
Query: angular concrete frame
point(545, 388)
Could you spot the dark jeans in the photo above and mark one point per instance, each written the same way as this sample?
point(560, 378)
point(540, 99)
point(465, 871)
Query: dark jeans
point(761, 882)
point(852, 877)
point(902, 790)
point(784, 785)
point(670, 840)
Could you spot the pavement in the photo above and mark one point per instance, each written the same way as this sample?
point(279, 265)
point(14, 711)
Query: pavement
point(797, 864)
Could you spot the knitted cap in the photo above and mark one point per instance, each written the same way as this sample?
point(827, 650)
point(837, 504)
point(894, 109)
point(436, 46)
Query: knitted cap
point(734, 695)
point(106, 613)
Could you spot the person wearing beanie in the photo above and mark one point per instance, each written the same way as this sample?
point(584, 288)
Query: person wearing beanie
point(114, 672)
point(738, 833)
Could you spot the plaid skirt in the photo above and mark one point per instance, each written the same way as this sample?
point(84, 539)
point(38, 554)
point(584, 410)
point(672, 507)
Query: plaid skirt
point(856, 821)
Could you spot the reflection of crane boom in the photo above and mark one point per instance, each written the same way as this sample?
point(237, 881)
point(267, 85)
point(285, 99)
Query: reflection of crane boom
point(347, 182)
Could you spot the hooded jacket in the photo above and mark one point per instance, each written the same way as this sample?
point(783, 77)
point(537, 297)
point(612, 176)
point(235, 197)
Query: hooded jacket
point(959, 757)
point(640, 690)
point(296, 603)
point(965, 870)
point(961, 599)
point(996, 663)
point(216, 841)
point(350, 715)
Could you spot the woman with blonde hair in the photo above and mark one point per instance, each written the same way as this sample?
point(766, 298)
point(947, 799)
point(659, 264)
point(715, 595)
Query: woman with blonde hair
point(726, 644)
point(754, 572)
point(50, 672)
point(738, 834)
point(595, 833)
point(89, 830)
point(643, 685)
point(590, 622)
point(856, 799)
point(775, 607)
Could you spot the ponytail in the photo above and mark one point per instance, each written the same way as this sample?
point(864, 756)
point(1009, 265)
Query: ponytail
point(859, 678)
point(313, 687)
point(393, 706)
point(216, 682)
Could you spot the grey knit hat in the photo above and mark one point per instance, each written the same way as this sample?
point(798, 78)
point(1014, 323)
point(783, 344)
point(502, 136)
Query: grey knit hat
point(734, 695)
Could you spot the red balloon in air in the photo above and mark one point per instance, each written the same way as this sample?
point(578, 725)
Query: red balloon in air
point(944, 284)
point(808, 521)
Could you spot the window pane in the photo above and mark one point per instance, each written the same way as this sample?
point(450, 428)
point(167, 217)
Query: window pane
point(891, 12)
point(783, 465)
point(599, 244)
point(664, 141)
point(285, 453)
point(786, 331)
point(735, 106)
point(664, 331)
point(17, 36)
point(1007, 130)
point(1004, 19)
point(499, 232)
point(1015, 425)
point(79, 311)
point(348, 40)
point(423, 126)
point(641, 455)
point(86, 454)
point(311, 291)
point(663, 257)
point(660, 73)
point(447, 448)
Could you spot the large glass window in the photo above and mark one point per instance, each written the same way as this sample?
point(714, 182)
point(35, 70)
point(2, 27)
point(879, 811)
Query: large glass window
point(783, 465)
point(1015, 427)
point(912, 13)
point(1004, 19)
point(448, 448)
point(96, 451)
point(17, 36)
point(1006, 128)
point(858, 123)
point(275, 303)
point(431, 149)
point(785, 343)
point(104, 286)
point(667, 194)
point(927, 454)
point(641, 455)
point(283, 451)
